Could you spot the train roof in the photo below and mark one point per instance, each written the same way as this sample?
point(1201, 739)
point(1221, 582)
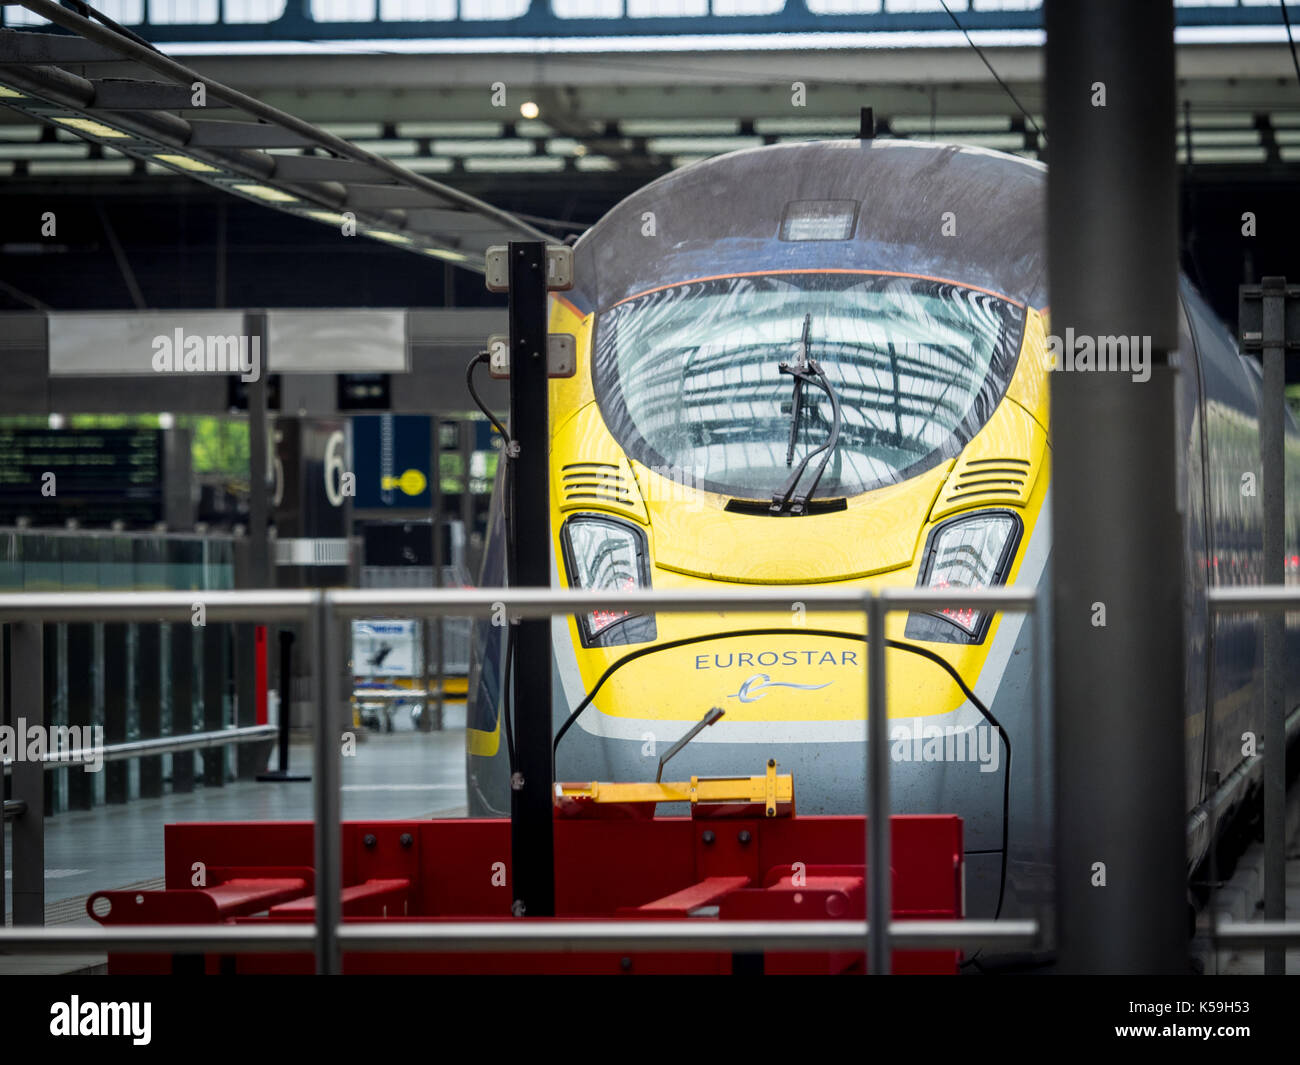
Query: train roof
point(733, 214)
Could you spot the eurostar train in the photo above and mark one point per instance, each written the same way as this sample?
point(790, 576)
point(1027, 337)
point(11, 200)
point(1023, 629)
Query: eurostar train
point(826, 364)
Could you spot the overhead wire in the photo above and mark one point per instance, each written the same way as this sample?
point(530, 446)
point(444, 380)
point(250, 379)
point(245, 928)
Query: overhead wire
point(1005, 87)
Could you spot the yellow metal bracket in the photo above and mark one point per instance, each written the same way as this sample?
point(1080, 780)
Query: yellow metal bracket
point(772, 790)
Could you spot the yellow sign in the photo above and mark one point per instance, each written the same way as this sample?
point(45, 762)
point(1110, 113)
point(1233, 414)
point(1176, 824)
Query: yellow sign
point(412, 482)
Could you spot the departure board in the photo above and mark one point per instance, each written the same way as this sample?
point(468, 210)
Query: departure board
point(96, 476)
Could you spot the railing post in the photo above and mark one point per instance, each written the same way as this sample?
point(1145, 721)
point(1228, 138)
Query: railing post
point(6, 660)
point(1272, 422)
point(1269, 321)
point(532, 840)
point(27, 700)
point(878, 856)
point(327, 774)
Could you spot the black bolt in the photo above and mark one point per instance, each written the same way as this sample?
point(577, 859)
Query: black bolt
point(406, 839)
point(626, 964)
point(771, 763)
point(744, 837)
point(369, 839)
point(708, 837)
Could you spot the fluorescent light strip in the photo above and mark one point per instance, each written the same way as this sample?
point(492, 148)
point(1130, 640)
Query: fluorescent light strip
point(184, 162)
point(266, 193)
point(951, 124)
point(1223, 137)
point(76, 167)
point(540, 164)
point(421, 164)
point(667, 127)
point(449, 129)
point(329, 217)
point(385, 235)
point(91, 127)
point(497, 147)
point(46, 150)
point(596, 163)
point(827, 126)
point(678, 145)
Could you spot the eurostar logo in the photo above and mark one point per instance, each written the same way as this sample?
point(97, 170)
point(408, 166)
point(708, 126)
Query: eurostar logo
point(757, 686)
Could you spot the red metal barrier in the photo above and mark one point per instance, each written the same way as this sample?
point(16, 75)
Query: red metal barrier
point(710, 868)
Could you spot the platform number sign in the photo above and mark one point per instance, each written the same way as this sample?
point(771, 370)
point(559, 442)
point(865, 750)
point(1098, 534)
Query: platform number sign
point(334, 468)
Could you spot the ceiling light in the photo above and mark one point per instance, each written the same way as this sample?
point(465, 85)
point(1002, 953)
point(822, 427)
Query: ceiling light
point(265, 192)
point(392, 238)
point(450, 256)
point(184, 162)
point(529, 109)
point(10, 94)
point(331, 217)
point(95, 129)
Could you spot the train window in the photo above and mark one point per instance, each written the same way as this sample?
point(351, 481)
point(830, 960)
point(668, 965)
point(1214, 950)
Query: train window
point(688, 376)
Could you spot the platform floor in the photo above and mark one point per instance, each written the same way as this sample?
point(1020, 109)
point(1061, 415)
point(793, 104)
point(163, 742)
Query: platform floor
point(399, 774)
point(1242, 899)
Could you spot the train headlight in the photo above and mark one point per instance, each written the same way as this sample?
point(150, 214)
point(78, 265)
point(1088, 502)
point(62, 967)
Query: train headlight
point(971, 551)
point(604, 554)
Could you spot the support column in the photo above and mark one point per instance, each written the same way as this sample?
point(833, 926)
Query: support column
point(214, 639)
point(148, 686)
point(116, 696)
point(182, 679)
point(1117, 536)
point(81, 707)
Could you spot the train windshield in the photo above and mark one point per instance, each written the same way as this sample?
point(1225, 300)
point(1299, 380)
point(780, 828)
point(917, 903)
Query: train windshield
point(688, 377)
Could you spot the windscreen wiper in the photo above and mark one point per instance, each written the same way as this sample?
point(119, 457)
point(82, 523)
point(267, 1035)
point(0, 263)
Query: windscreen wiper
point(805, 371)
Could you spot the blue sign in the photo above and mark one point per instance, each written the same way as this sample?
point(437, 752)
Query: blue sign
point(390, 456)
point(350, 20)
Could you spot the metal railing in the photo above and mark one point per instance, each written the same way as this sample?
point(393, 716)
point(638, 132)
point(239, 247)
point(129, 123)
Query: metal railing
point(1265, 935)
point(324, 612)
point(120, 752)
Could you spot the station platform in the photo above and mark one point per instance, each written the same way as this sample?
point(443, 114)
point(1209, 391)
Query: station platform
point(402, 774)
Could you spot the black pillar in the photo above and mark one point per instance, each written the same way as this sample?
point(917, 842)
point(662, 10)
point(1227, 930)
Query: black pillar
point(1117, 538)
point(148, 688)
point(532, 839)
point(182, 678)
point(116, 699)
point(30, 782)
point(215, 660)
point(81, 705)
